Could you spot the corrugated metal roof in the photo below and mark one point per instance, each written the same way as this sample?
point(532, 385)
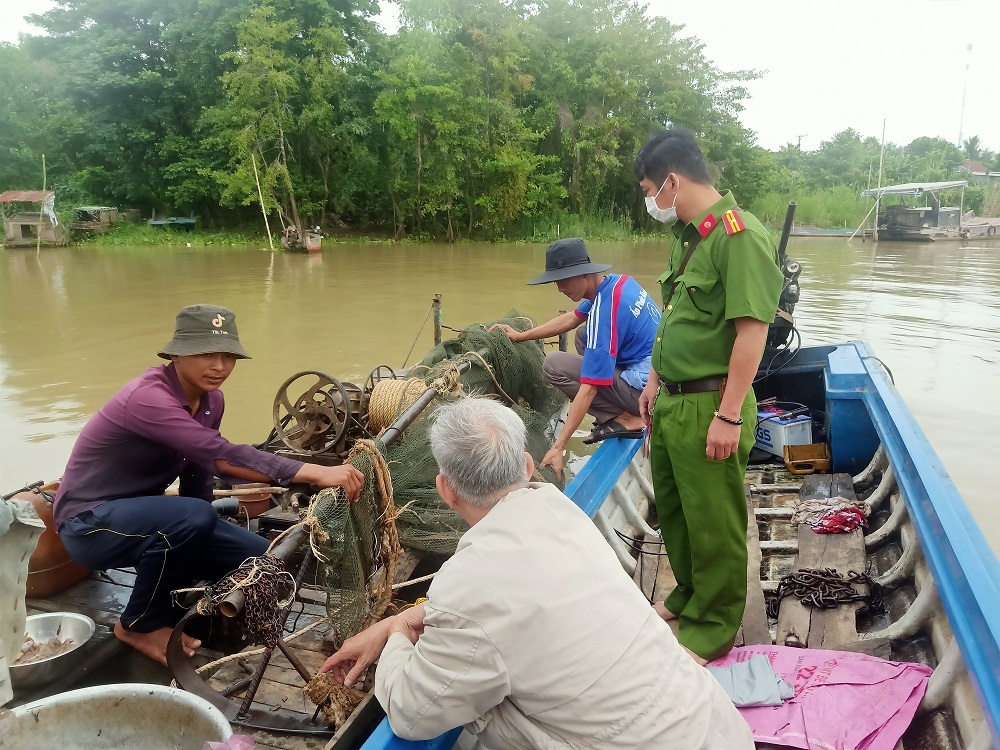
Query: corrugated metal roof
point(24, 196)
point(914, 188)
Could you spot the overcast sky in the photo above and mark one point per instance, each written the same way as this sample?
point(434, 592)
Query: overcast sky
point(828, 66)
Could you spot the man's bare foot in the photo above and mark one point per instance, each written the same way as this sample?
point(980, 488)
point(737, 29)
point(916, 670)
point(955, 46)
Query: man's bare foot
point(154, 644)
point(664, 613)
point(698, 660)
point(630, 421)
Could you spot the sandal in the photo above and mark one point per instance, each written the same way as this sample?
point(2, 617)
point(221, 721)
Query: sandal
point(612, 429)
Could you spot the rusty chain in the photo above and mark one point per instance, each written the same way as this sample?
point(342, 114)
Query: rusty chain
point(824, 588)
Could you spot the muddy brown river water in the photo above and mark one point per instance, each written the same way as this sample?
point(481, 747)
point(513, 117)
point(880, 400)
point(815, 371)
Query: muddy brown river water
point(77, 323)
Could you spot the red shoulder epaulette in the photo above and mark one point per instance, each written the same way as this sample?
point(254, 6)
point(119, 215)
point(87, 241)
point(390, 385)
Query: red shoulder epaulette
point(734, 224)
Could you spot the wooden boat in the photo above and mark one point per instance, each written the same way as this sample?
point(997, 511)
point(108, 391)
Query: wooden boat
point(306, 241)
point(943, 606)
point(928, 223)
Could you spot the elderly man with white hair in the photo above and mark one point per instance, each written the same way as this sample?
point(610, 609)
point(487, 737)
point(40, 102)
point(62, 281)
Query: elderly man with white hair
point(532, 635)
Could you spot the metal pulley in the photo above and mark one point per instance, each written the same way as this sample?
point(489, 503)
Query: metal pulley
point(315, 421)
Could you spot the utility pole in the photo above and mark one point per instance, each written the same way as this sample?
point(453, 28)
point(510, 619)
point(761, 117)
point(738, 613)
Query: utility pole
point(965, 86)
point(800, 136)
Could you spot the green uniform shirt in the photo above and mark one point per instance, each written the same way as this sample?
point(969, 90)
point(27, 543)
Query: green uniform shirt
point(728, 276)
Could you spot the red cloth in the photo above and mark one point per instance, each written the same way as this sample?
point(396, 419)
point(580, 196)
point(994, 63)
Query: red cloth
point(842, 520)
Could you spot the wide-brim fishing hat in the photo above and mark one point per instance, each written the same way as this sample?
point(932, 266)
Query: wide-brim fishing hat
point(565, 259)
point(205, 329)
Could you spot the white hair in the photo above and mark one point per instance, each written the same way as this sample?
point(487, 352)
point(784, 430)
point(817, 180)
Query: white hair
point(478, 444)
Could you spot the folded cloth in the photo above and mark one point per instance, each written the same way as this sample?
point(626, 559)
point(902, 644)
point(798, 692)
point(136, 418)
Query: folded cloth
point(843, 701)
point(810, 511)
point(753, 683)
point(840, 521)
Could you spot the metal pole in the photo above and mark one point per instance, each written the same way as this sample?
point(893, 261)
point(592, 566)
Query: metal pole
point(41, 207)
point(965, 87)
point(878, 195)
point(260, 194)
point(563, 337)
point(436, 304)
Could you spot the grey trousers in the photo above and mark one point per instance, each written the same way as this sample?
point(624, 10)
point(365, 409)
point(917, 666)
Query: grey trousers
point(562, 370)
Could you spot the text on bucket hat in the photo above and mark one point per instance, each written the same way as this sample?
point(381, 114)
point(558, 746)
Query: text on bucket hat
point(204, 329)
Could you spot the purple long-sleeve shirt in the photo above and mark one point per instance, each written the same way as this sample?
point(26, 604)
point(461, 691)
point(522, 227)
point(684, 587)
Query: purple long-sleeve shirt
point(145, 437)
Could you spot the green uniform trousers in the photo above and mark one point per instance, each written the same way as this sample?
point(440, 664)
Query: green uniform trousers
point(702, 511)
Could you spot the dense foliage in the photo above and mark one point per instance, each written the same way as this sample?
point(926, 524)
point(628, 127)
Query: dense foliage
point(474, 119)
point(477, 118)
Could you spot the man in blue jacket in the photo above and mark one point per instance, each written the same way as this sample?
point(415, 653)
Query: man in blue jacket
point(607, 374)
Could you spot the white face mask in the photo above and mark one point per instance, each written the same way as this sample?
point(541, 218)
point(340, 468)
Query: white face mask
point(665, 215)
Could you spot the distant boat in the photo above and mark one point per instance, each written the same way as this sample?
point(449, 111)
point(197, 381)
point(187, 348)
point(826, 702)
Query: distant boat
point(306, 241)
point(184, 225)
point(928, 223)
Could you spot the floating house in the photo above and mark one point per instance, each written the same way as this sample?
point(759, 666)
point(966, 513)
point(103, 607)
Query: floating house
point(31, 228)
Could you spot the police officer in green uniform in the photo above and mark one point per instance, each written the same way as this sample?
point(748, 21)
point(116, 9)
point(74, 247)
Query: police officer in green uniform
point(720, 292)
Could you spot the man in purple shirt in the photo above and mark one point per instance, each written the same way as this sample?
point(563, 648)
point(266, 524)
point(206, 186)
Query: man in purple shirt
point(110, 509)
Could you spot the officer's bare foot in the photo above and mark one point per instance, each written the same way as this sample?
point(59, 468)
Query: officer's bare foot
point(630, 421)
point(664, 613)
point(698, 660)
point(154, 644)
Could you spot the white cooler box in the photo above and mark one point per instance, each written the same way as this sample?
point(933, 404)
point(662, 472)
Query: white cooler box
point(774, 432)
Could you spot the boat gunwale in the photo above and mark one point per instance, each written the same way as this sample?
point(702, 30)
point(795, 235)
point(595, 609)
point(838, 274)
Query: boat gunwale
point(962, 564)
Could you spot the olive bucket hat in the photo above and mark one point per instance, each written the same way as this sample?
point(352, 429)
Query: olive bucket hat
point(205, 329)
point(565, 259)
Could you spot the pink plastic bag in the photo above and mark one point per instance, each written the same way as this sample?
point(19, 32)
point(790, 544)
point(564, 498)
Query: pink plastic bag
point(843, 701)
point(236, 742)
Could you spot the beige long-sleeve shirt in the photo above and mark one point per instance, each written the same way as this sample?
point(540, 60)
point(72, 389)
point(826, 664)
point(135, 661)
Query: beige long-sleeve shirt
point(535, 637)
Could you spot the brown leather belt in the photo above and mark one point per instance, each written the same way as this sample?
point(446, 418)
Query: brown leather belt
point(691, 386)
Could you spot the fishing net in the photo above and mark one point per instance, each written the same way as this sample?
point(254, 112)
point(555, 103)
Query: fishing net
point(358, 544)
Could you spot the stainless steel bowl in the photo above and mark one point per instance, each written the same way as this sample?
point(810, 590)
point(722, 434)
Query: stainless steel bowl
point(42, 627)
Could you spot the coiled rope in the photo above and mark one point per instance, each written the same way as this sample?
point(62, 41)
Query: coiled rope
point(389, 398)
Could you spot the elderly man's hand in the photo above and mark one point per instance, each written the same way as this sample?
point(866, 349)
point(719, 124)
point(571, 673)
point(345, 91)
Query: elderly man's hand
point(554, 458)
point(410, 622)
point(358, 653)
point(512, 333)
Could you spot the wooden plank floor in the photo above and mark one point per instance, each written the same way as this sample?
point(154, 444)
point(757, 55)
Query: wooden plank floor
point(834, 628)
point(656, 580)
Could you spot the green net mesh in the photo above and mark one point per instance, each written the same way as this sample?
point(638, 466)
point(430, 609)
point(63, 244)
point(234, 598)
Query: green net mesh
point(355, 553)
